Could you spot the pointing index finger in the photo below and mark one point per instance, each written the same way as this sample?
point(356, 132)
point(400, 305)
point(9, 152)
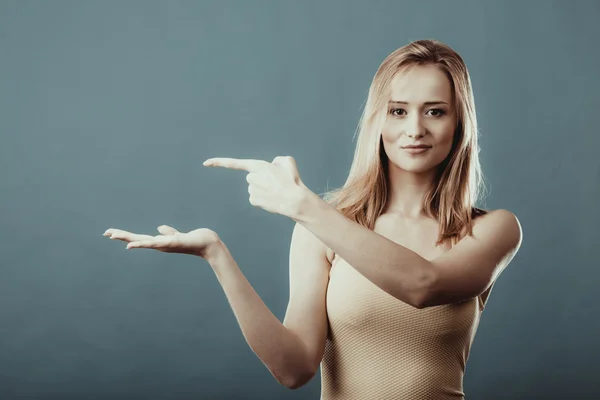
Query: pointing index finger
point(235, 163)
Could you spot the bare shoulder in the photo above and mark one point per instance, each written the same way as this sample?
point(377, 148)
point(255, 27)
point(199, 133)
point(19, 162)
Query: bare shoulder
point(499, 222)
point(303, 235)
point(499, 215)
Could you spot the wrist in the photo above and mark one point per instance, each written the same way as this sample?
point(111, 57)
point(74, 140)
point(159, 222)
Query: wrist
point(222, 263)
point(307, 207)
point(215, 252)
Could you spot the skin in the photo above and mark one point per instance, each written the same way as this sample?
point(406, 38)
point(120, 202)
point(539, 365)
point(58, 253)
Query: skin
point(399, 255)
point(410, 176)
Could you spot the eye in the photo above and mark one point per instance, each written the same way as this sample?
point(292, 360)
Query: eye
point(440, 112)
point(393, 111)
point(398, 112)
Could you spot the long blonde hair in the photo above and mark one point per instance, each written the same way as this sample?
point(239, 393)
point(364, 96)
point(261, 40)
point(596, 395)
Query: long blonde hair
point(459, 181)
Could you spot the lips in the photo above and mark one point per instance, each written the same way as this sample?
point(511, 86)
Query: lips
point(414, 150)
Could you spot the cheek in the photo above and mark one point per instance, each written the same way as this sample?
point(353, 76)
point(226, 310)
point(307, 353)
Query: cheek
point(389, 131)
point(386, 137)
point(392, 131)
point(446, 139)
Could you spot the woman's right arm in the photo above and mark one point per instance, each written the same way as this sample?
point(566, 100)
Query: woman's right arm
point(292, 350)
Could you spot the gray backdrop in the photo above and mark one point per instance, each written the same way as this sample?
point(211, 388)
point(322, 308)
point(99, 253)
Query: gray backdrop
point(109, 108)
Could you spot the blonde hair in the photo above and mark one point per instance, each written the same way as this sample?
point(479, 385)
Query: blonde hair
point(459, 181)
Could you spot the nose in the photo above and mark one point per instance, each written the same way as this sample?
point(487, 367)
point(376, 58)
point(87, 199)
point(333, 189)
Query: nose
point(414, 128)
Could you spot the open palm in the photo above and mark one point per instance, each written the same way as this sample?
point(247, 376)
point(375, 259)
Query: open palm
point(170, 240)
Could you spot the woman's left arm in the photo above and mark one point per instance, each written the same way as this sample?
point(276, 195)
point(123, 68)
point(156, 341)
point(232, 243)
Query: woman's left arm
point(461, 273)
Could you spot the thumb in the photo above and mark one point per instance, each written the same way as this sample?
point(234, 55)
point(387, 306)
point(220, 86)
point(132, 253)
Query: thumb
point(167, 230)
point(292, 166)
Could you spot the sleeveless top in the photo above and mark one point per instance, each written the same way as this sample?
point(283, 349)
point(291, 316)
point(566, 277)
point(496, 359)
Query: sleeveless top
point(379, 347)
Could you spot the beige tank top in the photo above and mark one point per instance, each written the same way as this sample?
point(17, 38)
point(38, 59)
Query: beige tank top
point(379, 347)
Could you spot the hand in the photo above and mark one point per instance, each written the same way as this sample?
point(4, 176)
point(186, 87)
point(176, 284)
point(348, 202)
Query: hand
point(200, 242)
point(275, 187)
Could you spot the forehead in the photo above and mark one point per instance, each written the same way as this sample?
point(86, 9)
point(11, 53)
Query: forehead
point(420, 84)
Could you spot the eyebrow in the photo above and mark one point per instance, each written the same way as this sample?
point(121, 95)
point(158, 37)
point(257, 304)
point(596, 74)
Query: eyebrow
point(426, 103)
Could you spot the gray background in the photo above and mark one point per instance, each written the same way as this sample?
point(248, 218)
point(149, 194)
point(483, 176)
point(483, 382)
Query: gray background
point(109, 108)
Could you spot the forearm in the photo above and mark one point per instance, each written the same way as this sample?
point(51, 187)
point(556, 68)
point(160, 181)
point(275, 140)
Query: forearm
point(281, 351)
point(395, 269)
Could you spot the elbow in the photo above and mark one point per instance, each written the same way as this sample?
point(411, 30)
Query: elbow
point(419, 303)
point(426, 300)
point(423, 303)
point(301, 379)
point(294, 384)
point(424, 293)
point(295, 380)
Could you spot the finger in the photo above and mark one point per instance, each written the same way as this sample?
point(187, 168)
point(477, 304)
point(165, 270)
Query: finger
point(167, 230)
point(236, 163)
point(130, 238)
point(154, 243)
point(108, 232)
point(280, 159)
point(285, 161)
point(290, 160)
point(124, 235)
point(113, 231)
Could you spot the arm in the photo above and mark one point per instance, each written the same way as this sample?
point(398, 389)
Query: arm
point(463, 272)
point(293, 350)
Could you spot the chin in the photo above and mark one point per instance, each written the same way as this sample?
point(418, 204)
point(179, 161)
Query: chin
point(415, 166)
point(416, 170)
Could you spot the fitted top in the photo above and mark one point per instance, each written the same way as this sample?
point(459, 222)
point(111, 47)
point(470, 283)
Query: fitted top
point(379, 347)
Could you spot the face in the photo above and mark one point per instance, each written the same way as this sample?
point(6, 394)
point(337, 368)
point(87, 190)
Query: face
point(420, 112)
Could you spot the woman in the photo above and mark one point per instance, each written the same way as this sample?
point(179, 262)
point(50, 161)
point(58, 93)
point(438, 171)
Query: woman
point(390, 273)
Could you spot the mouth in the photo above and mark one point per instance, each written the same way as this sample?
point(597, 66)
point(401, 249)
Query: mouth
point(416, 149)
